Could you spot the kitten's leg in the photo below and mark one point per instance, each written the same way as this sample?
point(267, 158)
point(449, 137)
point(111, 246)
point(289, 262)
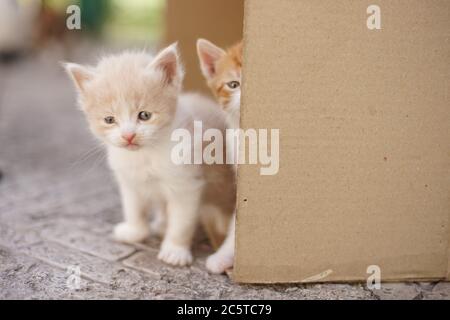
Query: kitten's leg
point(182, 215)
point(223, 259)
point(135, 227)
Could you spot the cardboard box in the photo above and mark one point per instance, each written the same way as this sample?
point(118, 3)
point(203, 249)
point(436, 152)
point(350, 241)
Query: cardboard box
point(364, 119)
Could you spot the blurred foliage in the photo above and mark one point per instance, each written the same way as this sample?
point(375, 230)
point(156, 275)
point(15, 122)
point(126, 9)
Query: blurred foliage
point(136, 20)
point(94, 14)
point(128, 21)
point(59, 5)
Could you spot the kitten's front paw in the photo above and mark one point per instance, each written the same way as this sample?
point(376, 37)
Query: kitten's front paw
point(175, 255)
point(129, 233)
point(219, 262)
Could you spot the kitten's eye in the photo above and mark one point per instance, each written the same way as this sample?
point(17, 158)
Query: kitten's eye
point(144, 115)
point(233, 84)
point(110, 120)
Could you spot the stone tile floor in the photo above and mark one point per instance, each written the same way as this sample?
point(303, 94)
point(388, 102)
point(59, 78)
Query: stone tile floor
point(58, 204)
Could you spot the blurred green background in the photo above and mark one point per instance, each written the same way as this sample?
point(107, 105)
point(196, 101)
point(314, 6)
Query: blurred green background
point(118, 20)
point(37, 29)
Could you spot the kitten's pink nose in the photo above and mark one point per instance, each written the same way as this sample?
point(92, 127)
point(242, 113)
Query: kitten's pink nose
point(128, 137)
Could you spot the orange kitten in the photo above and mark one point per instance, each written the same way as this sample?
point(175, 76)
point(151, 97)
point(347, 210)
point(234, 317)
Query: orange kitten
point(133, 103)
point(222, 70)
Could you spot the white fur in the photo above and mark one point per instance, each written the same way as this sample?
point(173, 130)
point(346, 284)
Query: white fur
point(233, 110)
point(148, 175)
point(209, 54)
point(122, 86)
point(223, 258)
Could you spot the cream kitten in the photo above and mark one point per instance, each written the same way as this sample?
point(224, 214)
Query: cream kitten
point(132, 102)
point(222, 70)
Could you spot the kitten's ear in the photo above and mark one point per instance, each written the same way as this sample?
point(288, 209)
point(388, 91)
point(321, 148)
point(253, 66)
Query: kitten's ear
point(168, 62)
point(79, 74)
point(240, 47)
point(208, 54)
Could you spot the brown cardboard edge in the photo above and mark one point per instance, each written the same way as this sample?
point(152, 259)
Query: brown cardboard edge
point(231, 273)
point(448, 250)
point(343, 281)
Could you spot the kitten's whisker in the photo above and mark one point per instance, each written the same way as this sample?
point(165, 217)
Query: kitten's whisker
point(87, 155)
point(100, 159)
point(85, 158)
point(90, 150)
